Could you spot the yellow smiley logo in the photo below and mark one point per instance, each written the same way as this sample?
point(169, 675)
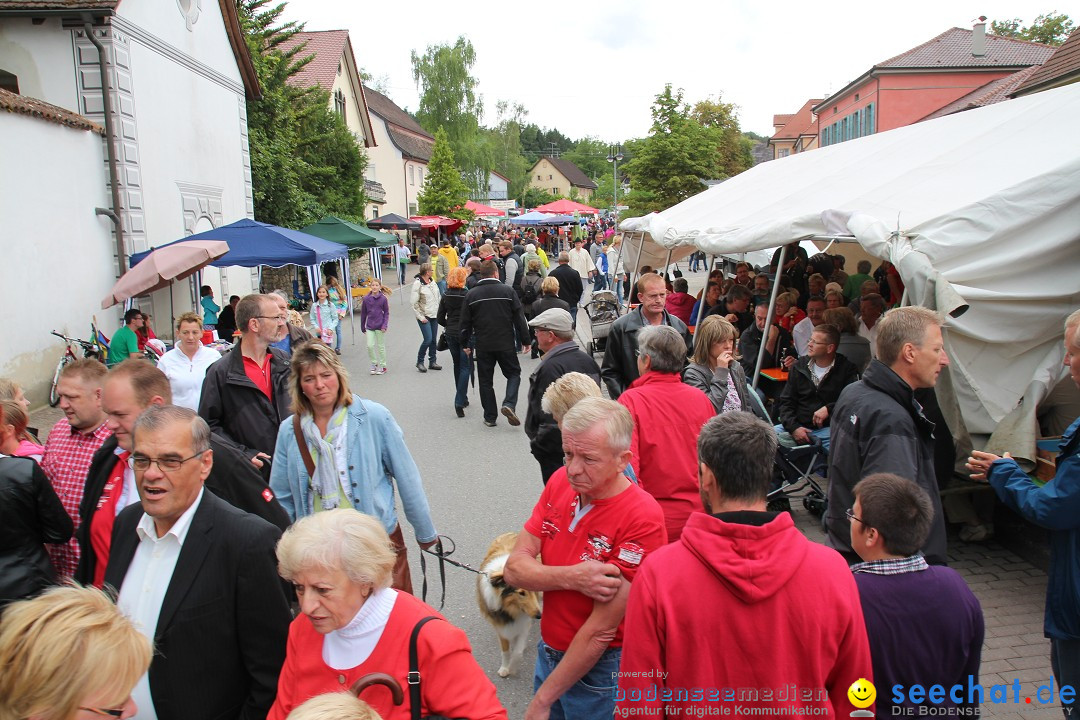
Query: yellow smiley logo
point(862, 693)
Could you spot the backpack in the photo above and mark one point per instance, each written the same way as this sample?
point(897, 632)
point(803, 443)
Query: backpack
point(530, 291)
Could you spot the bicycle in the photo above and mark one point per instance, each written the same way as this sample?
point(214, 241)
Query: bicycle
point(75, 350)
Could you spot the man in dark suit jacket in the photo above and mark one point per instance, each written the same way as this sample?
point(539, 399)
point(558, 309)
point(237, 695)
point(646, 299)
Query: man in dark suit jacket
point(570, 287)
point(199, 578)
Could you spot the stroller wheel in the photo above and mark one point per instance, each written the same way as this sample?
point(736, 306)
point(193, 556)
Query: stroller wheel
point(815, 504)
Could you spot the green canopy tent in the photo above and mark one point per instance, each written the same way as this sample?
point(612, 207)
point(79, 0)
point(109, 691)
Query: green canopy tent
point(354, 237)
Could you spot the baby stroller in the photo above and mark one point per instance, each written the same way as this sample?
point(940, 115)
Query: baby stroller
point(603, 310)
point(798, 472)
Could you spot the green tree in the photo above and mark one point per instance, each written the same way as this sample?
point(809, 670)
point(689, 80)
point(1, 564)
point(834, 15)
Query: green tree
point(448, 100)
point(304, 161)
point(1053, 28)
point(721, 123)
point(535, 197)
point(505, 139)
point(670, 164)
point(590, 155)
point(444, 191)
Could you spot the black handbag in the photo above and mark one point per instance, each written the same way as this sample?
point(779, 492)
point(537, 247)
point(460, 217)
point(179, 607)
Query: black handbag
point(441, 344)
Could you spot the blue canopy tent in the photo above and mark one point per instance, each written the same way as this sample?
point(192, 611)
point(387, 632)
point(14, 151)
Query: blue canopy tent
point(254, 244)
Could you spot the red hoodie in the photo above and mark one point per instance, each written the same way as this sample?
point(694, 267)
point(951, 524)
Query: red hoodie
point(737, 614)
point(668, 415)
point(680, 305)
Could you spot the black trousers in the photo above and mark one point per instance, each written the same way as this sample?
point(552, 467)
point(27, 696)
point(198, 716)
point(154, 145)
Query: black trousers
point(485, 370)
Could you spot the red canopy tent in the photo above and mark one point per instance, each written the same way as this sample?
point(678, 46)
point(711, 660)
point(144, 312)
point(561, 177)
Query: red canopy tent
point(437, 222)
point(483, 210)
point(566, 207)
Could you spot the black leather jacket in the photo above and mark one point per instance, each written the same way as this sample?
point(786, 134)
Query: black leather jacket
point(30, 514)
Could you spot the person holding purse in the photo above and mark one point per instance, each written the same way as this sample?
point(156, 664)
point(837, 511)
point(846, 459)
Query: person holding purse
point(324, 316)
point(339, 450)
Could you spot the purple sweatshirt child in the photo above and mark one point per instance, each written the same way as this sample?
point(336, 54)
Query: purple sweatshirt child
point(374, 312)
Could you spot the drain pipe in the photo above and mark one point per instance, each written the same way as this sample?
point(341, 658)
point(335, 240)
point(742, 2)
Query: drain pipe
point(110, 136)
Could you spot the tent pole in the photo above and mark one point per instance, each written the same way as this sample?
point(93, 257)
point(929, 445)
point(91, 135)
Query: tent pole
point(348, 296)
point(667, 263)
point(769, 318)
point(701, 303)
point(637, 262)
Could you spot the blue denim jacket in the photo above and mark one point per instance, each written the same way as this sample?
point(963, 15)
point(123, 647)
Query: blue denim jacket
point(377, 457)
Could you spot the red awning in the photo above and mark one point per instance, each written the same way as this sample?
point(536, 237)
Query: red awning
point(566, 207)
point(435, 222)
point(481, 210)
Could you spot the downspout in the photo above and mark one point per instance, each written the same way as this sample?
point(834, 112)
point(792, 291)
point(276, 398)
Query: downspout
point(114, 180)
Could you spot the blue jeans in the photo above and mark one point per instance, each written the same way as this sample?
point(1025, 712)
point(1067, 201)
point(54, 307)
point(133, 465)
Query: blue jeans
point(461, 370)
point(429, 330)
point(592, 697)
point(599, 282)
point(401, 273)
point(787, 440)
point(442, 287)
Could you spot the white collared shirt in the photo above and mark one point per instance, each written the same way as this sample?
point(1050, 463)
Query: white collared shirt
point(129, 493)
point(870, 334)
point(145, 584)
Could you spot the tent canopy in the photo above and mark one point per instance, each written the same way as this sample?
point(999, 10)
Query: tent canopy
point(566, 207)
point(253, 243)
point(481, 210)
point(971, 208)
point(437, 222)
point(393, 221)
point(350, 234)
point(538, 218)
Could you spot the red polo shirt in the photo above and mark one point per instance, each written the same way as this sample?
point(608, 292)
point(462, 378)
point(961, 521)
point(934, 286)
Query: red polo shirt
point(260, 374)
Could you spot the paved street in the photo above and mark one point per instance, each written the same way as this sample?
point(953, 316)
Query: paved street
point(482, 481)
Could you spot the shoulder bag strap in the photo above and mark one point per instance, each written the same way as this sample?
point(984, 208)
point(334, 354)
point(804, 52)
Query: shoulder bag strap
point(414, 668)
point(302, 444)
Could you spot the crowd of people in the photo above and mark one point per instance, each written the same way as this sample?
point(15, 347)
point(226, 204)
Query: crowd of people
point(242, 509)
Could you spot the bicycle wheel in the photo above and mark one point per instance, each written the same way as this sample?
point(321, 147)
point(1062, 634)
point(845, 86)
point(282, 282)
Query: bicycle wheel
point(54, 395)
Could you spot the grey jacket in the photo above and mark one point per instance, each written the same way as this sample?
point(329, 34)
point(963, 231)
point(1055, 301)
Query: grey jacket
point(715, 383)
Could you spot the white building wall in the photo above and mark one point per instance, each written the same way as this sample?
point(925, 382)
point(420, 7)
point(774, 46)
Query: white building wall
point(41, 57)
point(58, 255)
point(385, 166)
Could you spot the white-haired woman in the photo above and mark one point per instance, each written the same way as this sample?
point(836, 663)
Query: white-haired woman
point(69, 654)
point(356, 453)
point(352, 623)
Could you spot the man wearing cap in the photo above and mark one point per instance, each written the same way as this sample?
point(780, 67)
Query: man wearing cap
point(555, 337)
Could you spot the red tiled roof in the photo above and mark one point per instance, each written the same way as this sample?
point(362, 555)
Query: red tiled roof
point(992, 92)
point(781, 119)
point(1064, 64)
point(50, 113)
point(327, 47)
point(385, 108)
point(952, 49)
point(799, 124)
point(410, 145)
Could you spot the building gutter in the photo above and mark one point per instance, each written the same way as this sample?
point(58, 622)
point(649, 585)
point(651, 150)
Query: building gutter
point(110, 145)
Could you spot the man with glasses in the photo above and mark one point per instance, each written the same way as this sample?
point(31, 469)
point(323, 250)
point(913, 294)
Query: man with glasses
point(129, 389)
point(198, 578)
point(245, 396)
point(620, 367)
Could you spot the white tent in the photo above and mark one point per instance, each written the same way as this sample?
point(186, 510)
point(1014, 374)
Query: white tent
point(979, 208)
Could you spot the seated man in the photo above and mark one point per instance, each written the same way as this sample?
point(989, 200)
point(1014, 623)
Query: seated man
point(592, 528)
point(736, 307)
point(777, 344)
point(871, 308)
point(814, 383)
point(815, 310)
point(924, 624)
point(125, 341)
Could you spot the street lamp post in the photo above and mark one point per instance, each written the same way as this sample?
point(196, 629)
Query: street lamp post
point(614, 156)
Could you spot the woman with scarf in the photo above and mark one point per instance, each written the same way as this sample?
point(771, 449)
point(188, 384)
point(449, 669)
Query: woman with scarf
point(338, 450)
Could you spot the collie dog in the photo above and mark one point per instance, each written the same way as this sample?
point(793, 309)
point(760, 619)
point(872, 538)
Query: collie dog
point(510, 610)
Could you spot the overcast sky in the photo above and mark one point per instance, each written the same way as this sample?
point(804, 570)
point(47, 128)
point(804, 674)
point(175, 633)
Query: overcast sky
point(593, 67)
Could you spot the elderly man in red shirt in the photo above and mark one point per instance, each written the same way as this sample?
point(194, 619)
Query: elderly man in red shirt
point(593, 528)
point(668, 415)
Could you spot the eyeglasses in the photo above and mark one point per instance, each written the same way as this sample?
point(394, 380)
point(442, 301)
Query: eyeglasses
point(279, 318)
point(107, 712)
point(850, 513)
point(142, 462)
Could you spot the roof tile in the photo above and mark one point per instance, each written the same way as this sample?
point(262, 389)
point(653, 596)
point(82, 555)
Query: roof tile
point(801, 123)
point(327, 46)
point(952, 48)
point(1063, 63)
point(992, 92)
point(33, 107)
point(410, 145)
point(385, 108)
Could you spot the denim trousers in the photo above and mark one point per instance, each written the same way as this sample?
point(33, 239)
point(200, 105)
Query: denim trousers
point(788, 441)
point(1065, 662)
point(507, 361)
point(461, 370)
point(429, 330)
point(592, 697)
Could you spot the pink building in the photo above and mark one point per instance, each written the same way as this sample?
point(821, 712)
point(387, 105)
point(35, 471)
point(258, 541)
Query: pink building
point(907, 88)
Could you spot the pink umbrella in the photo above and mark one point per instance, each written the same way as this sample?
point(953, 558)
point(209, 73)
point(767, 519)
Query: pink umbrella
point(164, 265)
point(566, 207)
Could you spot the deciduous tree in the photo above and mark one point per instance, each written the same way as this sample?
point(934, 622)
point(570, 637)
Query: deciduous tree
point(1053, 28)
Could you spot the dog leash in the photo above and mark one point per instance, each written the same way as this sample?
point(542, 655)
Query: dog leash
point(439, 551)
